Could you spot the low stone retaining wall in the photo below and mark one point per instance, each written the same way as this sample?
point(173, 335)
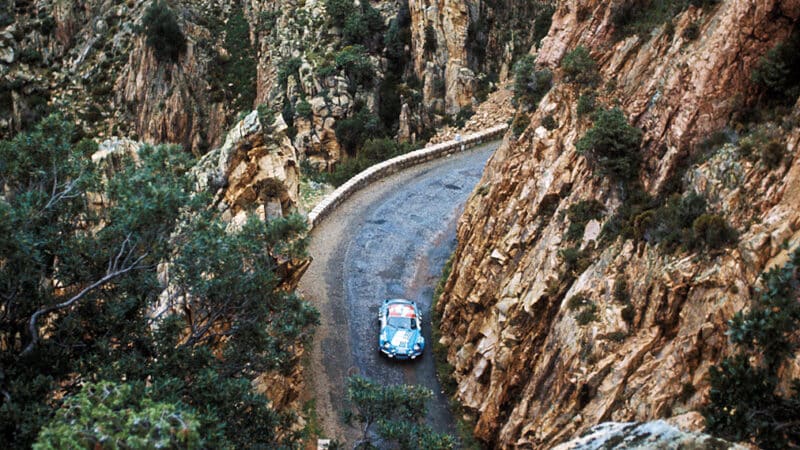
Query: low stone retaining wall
point(390, 166)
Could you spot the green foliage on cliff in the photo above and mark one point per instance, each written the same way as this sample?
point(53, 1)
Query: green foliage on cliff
point(162, 31)
point(643, 16)
point(746, 401)
point(357, 67)
point(81, 245)
point(240, 69)
point(779, 71)
point(109, 415)
point(530, 85)
point(612, 146)
point(579, 214)
point(580, 68)
point(396, 413)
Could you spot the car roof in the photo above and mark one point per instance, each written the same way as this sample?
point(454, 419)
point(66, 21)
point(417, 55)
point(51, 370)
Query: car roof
point(398, 300)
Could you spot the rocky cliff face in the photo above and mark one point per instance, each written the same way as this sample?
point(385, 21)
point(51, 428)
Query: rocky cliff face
point(533, 366)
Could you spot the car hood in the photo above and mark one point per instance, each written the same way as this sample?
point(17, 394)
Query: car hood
point(401, 337)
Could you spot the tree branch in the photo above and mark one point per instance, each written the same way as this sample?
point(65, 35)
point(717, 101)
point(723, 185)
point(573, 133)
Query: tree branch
point(112, 273)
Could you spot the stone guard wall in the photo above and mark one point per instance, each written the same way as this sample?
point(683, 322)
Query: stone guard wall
point(390, 166)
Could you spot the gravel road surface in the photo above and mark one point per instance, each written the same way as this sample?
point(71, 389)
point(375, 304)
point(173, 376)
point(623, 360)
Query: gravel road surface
point(390, 240)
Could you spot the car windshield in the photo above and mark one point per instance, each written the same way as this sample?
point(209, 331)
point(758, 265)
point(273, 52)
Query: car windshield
point(402, 322)
point(402, 316)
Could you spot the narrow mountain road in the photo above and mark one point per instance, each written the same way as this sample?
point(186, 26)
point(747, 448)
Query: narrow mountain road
point(390, 240)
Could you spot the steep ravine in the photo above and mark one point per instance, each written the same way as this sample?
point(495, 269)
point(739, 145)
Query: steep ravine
point(531, 373)
point(390, 240)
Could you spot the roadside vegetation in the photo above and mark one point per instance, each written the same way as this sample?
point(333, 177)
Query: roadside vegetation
point(87, 339)
point(392, 415)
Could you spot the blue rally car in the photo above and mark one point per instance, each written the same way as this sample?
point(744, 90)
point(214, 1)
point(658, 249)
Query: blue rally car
point(401, 329)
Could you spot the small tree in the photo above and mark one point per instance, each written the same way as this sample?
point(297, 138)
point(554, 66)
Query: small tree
point(613, 145)
point(163, 33)
point(396, 411)
point(579, 67)
point(530, 85)
point(357, 67)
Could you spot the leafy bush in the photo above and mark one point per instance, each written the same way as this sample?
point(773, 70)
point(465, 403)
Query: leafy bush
point(397, 411)
point(339, 11)
point(357, 67)
point(745, 402)
point(586, 103)
point(671, 224)
point(621, 289)
point(579, 214)
point(580, 68)
point(712, 231)
point(520, 124)
point(109, 415)
point(691, 32)
point(772, 154)
point(303, 109)
point(353, 131)
point(612, 145)
point(530, 85)
point(779, 71)
point(587, 314)
point(642, 17)
point(289, 68)
point(576, 302)
point(463, 115)
point(575, 261)
point(163, 33)
point(549, 122)
point(628, 313)
point(363, 27)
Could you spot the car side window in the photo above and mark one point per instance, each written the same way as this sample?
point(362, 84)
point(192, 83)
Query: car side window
point(413, 324)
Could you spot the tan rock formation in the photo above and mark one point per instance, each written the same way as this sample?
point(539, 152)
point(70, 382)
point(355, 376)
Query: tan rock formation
point(532, 374)
point(450, 20)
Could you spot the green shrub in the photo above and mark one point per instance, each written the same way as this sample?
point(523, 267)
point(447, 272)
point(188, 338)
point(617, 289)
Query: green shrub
point(430, 40)
point(353, 131)
point(363, 27)
point(549, 122)
point(163, 33)
point(772, 154)
point(108, 415)
point(580, 68)
point(357, 67)
point(339, 11)
point(617, 336)
point(577, 301)
point(289, 68)
point(779, 71)
point(691, 32)
point(712, 231)
point(303, 109)
point(671, 224)
point(520, 124)
point(30, 55)
point(628, 313)
point(575, 261)
point(612, 145)
point(579, 214)
point(745, 401)
point(586, 103)
point(621, 289)
point(530, 85)
point(463, 115)
point(642, 17)
point(587, 314)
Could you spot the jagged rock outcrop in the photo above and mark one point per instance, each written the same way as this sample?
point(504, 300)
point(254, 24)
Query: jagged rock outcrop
point(530, 371)
point(650, 435)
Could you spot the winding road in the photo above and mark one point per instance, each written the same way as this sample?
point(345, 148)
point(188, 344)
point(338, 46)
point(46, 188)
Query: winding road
point(390, 240)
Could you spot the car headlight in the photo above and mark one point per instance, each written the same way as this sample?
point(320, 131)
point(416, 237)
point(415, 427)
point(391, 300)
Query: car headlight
point(386, 345)
point(417, 347)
